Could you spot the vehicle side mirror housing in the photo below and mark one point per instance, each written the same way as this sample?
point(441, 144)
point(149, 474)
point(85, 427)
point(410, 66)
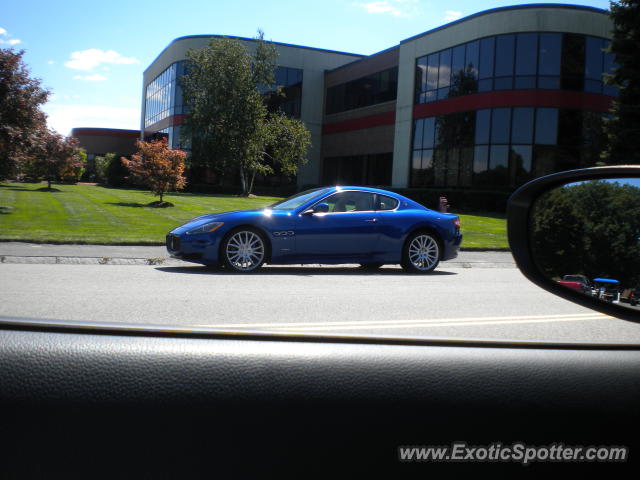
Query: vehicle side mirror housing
point(317, 208)
point(576, 234)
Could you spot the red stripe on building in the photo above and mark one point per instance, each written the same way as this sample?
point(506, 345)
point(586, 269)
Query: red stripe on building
point(381, 119)
point(515, 98)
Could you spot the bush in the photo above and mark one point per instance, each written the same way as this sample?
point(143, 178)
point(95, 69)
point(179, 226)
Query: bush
point(117, 173)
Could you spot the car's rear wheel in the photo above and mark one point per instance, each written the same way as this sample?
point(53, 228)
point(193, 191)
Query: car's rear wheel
point(244, 250)
point(421, 253)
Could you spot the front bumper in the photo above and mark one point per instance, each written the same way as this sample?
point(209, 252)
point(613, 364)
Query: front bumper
point(193, 248)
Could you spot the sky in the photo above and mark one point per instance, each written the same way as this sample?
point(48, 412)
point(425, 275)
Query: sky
point(91, 55)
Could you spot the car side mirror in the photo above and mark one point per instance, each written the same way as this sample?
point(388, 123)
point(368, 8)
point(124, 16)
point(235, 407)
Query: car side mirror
point(317, 208)
point(576, 234)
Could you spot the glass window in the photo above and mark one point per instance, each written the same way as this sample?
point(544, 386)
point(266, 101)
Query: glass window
point(526, 48)
point(521, 162)
point(480, 159)
point(505, 47)
point(522, 125)
point(432, 72)
point(386, 203)
point(421, 74)
point(572, 62)
point(472, 56)
point(546, 126)
point(457, 63)
point(350, 202)
point(549, 53)
point(593, 58)
point(486, 57)
point(483, 125)
point(417, 135)
point(444, 73)
point(429, 131)
point(500, 125)
point(498, 173)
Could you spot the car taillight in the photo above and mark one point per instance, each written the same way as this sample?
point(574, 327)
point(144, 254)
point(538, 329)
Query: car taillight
point(456, 223)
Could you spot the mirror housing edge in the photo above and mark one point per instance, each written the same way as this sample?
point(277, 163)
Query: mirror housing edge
point(519, 208)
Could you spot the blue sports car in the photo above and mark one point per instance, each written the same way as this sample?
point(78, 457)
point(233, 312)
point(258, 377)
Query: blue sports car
point(328, 225)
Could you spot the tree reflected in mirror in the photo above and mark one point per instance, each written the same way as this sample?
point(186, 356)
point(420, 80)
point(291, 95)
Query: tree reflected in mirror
point(586, 236)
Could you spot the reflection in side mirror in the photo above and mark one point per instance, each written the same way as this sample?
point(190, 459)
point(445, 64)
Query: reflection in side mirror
point(586, 237)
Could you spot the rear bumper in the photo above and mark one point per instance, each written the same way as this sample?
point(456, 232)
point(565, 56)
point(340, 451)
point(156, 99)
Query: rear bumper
point(451, 248)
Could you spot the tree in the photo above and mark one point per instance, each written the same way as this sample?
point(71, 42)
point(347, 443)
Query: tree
point(228, 125)
point(623, 128)
point(51, 155)
point(158, 167)
point(21, 120)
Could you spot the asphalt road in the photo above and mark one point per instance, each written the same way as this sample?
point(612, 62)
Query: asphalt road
point(472, 303)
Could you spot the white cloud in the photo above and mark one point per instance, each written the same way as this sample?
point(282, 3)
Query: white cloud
point(396, 8)
point(451, 15)
point(12, 41)
point(64, 117)
point(90, 78)
point(93, 57)
point(51, 62)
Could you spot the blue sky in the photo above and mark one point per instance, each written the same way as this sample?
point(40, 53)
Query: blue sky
point(91, 55)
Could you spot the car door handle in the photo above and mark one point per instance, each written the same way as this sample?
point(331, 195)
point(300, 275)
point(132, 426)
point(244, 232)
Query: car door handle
point(372, 220)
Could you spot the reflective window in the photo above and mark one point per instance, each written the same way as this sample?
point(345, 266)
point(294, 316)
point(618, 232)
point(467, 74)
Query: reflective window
point(522, 125)
point(504, 146)
point(526, 53)
point(515, 61)
point(386, 203)
point(160, 96)
point(505, 47)
point(546, 126)
point(343, 202)
point(500, 125)
point(370, 90)
point(483, 125)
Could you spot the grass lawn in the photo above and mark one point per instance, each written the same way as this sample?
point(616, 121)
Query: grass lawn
point(99, 215)
point(481, 232)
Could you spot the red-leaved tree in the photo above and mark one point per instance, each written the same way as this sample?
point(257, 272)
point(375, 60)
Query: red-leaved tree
point(51, 155)
point(157, 166)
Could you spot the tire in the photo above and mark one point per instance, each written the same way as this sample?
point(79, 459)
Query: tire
point(371, 266)
point(244, 250)
point(421, 253)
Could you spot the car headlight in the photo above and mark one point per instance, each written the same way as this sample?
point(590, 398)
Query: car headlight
point(205, 228)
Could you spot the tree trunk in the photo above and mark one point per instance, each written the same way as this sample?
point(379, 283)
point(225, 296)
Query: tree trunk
point(161, 193)
point(48, 183)
point(253, 177)
point(243, 182)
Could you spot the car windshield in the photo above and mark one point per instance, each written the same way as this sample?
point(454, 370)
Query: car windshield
point(298, 200)
point(121, 124)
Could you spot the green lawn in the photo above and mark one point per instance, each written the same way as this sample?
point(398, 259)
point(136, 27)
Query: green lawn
point(99, 215)
point(481, 232)
point(90, 214)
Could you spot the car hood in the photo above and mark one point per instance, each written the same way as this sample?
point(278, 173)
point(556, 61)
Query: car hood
point(217, 217)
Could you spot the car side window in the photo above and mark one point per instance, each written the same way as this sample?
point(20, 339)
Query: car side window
point(386, 203)
point(350, 202)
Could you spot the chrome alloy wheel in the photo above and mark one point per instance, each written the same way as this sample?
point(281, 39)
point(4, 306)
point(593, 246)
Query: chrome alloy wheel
point(424, 252)
point(244, 251)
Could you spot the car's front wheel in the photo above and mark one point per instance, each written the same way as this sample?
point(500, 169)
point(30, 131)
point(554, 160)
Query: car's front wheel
point(421, 253)
point(244, 250)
